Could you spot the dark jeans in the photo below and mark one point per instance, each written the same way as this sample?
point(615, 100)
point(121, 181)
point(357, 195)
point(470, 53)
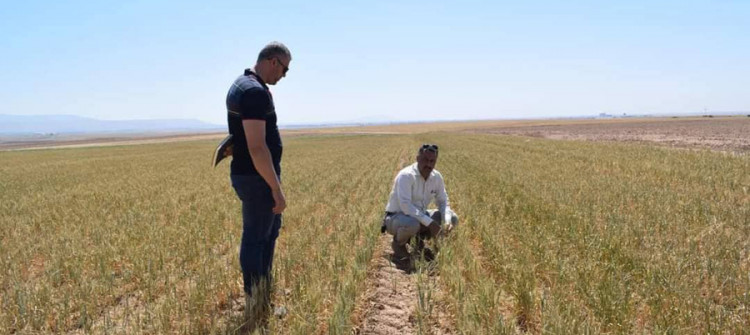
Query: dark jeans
point(260, 228)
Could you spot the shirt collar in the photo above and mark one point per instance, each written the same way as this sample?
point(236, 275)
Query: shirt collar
point(249, 72)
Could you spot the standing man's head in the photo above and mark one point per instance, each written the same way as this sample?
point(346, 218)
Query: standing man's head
point(273, 62)
point(427, 159)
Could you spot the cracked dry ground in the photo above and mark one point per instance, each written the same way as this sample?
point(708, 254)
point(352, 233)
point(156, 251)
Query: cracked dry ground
point(390, 304)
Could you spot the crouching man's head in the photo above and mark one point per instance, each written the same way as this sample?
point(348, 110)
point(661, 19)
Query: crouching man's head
point(427, 159)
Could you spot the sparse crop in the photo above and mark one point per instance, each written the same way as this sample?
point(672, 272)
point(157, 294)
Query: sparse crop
point(555, 237)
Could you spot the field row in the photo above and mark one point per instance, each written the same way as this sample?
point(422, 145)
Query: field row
point(561, 237)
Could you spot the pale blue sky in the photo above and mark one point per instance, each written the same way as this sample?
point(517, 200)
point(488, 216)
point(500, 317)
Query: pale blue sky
point(394, 60)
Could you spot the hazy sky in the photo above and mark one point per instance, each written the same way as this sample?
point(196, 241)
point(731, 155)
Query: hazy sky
point(390, 60)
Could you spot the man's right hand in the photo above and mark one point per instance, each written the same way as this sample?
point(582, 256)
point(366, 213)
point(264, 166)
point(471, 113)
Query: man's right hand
point(279, 201)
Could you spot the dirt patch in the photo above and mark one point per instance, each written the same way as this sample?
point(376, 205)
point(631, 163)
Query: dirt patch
point(391, 296)
point(84, 141)
point(725, 133)
point(730, 134)
point(390, 304)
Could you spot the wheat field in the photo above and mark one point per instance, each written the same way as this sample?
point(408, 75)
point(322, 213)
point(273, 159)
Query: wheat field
point(559, 237)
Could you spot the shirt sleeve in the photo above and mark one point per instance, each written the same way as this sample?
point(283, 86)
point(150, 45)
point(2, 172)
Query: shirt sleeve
point(404, 185)
point(442, 201)
point(255, 104)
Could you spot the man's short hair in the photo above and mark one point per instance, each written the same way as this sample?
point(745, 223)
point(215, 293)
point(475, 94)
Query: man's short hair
point(274, 49)
point(428, 147)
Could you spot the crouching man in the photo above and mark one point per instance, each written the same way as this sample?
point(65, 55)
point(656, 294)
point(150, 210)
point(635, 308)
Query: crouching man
point(406, 214)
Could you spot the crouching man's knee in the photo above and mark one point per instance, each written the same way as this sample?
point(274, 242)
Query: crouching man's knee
point(402, 227)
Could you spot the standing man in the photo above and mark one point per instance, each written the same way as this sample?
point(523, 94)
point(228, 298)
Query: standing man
point(406, 214)
point(256, 173)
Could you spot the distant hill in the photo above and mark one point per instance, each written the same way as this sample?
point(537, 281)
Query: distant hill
point(71, 124)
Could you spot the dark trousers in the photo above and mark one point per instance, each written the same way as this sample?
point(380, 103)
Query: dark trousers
point(260, 228)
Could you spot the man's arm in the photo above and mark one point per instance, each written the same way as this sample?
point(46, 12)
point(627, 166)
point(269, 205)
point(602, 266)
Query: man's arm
point(403, 185)
point(255, 133)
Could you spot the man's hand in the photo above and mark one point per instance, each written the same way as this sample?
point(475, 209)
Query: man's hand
point(434, 228)
point(448, 228)
point(279, 201)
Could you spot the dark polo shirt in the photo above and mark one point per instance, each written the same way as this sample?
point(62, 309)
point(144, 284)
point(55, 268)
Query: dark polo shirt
point(250, 99)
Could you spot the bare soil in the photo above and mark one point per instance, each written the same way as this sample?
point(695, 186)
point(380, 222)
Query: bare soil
point(81, 141)
point(390, 300)
point(722, 133)
point(730, 134)
point(93, 140)
point(391, 296)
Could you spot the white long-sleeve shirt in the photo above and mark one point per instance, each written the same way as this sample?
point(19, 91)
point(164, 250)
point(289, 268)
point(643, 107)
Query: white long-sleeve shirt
point(411, 194)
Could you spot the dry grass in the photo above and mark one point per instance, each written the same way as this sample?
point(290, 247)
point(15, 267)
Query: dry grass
point(558, 237)
point(602, 238)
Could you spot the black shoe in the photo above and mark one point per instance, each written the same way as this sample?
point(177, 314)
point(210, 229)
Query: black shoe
point(402, 263)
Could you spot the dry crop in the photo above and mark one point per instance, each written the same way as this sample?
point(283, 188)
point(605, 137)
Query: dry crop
point(557, 237)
